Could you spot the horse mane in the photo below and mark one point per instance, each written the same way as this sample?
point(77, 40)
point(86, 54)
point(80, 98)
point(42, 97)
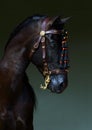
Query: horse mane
point(23, 24)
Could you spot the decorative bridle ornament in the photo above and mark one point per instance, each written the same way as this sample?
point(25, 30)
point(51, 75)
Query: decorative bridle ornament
point(64, 52)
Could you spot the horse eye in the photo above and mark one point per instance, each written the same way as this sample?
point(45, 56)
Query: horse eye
point(54, 40)
point(55, 37)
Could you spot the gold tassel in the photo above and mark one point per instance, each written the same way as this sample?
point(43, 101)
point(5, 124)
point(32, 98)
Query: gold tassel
point(47, 81)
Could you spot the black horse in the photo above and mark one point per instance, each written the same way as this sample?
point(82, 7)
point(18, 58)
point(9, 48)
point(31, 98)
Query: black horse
point(41, 40)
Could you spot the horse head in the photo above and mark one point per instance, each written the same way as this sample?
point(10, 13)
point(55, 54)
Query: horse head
point(50, 53)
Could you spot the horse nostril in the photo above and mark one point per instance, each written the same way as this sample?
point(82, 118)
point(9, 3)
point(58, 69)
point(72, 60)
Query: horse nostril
point(61, 85)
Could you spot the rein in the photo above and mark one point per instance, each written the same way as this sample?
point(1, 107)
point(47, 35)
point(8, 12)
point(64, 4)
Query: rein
point(64, 56)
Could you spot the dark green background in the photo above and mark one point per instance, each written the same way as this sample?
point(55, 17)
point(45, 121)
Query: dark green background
point(71, 110)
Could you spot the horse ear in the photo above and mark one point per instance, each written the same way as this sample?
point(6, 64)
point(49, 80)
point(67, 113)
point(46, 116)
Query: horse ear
point(56, 19)
point(53, 20)
point(64, 20)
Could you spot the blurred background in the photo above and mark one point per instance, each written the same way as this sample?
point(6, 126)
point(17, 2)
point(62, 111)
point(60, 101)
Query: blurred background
point(71, 110)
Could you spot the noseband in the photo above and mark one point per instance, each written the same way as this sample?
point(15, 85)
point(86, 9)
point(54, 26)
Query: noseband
point(42, 40)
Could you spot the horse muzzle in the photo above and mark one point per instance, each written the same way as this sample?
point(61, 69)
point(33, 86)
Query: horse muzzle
point(58, 83)
point(55, 82)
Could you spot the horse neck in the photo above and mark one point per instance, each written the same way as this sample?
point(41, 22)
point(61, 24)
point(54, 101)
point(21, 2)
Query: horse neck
point(15, 60)
point(16, 56)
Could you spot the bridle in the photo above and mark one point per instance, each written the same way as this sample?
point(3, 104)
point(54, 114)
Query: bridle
point(42, 40)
